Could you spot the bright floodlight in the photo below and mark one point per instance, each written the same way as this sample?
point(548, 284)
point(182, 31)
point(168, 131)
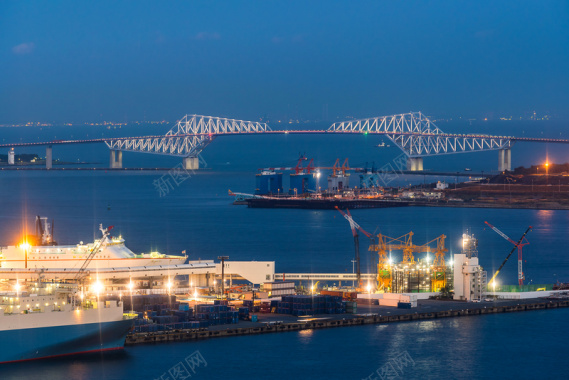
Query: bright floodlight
point(98, 287)
point(169, 284)
point(369, 288)
point(25, 246)
point(17, 286)
point(131, 285)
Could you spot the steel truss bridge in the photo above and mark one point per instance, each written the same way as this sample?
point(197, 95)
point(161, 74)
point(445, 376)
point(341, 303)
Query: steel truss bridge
point(414, 133)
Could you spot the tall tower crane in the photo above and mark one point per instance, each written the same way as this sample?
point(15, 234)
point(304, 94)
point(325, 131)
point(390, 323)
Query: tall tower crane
point(519, 245)
point(355, 227)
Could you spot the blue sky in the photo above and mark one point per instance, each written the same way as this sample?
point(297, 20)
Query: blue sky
point(69, 61)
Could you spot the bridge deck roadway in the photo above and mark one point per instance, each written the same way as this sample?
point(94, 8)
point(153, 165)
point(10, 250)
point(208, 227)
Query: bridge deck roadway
point(281, 132)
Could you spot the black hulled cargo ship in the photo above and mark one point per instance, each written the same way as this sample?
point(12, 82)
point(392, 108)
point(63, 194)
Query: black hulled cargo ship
point(322, 203)
point(306, 192)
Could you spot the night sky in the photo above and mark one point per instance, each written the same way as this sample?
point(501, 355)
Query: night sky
point(74, 61)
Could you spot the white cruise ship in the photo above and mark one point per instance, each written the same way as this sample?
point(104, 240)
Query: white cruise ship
point(109, 252)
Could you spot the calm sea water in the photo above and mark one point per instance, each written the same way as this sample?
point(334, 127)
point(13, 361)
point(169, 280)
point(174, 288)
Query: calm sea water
point(197, 216)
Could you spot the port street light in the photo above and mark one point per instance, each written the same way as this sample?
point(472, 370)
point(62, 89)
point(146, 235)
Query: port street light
point(223, 258)
point(353, 272)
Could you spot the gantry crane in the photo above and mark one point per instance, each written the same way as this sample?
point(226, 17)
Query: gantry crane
point(439, 264)
point(355, 227)
point(519, 245)
point(405, 243)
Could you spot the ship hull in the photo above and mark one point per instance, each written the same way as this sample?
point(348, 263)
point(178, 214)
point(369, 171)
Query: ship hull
point(47, 342)
point(322, 204)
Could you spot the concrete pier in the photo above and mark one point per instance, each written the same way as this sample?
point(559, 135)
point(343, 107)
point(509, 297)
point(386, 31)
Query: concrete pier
point(48, 157)
point(191, 163)
point(504, 160)
point(11, 157)
point(116, 159)
point(415, 163)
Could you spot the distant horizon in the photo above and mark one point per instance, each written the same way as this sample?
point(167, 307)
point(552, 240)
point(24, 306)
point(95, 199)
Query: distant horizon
point(527, 116)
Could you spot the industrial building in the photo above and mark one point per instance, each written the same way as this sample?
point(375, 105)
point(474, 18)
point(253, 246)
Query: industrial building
point(469, 277)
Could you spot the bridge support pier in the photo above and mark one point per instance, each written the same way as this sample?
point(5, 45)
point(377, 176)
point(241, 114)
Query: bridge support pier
point(415, 163)
point(191, 163)
point(11, 157)
point(116, 159)
point(48, 157)
point(504, 160)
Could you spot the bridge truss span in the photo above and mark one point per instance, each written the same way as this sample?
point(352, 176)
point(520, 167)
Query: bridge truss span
point(189, 136)
point(413, 122)
point(417, 136)
point(427, 145)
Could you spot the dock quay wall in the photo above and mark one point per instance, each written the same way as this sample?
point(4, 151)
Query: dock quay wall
point(262, 328)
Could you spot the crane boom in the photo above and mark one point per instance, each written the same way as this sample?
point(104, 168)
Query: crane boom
point(96, 249)
point(501, 233)
point(353, 224)
point(517, 245)
point(355, 227)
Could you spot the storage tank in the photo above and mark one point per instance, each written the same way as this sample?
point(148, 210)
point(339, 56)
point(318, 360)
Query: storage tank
point(303, 183)
point(269, 183)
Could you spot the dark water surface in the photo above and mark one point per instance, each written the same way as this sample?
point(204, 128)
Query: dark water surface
point(197, 216)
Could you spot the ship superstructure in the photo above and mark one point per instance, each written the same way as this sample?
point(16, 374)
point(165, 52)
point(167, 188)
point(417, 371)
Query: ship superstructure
point(109, 252)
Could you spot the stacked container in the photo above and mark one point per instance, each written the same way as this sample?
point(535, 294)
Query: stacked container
point(310, 305)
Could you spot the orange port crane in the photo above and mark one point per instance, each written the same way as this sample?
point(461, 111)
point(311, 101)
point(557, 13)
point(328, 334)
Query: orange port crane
point(355, 227)
point(299, 169)
point(519, 245)
point(405, 243)
point(337, 168)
